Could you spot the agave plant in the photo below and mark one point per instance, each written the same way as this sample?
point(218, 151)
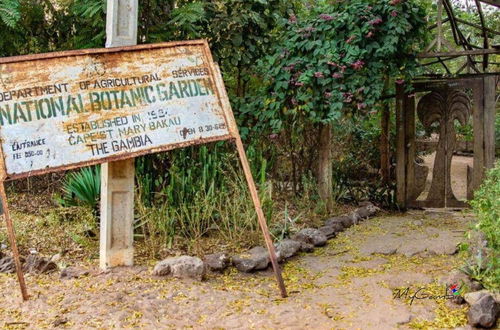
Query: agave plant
point(82, 188)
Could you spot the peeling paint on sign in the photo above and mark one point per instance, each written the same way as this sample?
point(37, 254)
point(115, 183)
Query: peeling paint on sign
point(71, 109)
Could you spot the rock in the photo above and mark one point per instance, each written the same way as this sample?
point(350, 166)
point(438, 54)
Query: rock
point(418, 223)
point(311, 236)
point(337, 226)
point(217, 261)
point(73, 272)
point(346, 221)
point(59, 321)
point(476, 286)
point(256, 258)
point(306, 247)
point(456, 277)
point(39, 265)
point(355, 217)
point(181, 267)
point(287, 248)
point(7, 265)
point(484, 312)
point(56, 257)
point(473, 297)
point(329, 231)
point(336, 223)
point(367, 211)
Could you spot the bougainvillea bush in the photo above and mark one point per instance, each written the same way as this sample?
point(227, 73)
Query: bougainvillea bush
point(335, 59)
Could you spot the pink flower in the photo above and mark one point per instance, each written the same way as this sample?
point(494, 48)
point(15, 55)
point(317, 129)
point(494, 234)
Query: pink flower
point(337, 75)
point(273, 136)
point(292, 19)
point(347, 97)
point(394, 13)
point(358, 65)
point(369, 34)
point(332, 63)
point(351, 38)
point(400, 81)
point(299, 84)
point(361, 106)
point(318, 74)
point(342, 68)
point(394, 2)
point(326, 17)
point(294, 101)
point(376, 21)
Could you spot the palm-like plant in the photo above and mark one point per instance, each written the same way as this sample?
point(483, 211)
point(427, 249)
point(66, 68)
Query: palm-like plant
point(82, 188)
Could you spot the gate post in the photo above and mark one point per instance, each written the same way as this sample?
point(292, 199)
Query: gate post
point(117, 178)
point(401, 151)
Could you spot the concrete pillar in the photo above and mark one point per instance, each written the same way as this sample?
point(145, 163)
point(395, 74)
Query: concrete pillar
point(117, 178)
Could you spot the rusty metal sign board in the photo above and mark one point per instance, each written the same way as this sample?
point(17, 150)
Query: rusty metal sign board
point(71, 109)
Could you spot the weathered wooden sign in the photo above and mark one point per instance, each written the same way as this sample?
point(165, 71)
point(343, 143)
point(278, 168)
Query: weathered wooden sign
point(76, 108)
point(71, 109)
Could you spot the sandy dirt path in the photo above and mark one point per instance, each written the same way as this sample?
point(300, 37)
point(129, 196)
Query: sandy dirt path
point(341, 286)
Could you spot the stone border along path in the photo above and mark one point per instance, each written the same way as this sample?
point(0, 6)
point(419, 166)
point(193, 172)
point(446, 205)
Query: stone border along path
point(342, 286)
point(257, 258)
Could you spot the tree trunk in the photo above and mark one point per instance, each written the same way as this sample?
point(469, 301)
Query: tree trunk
point(385, 149)
point(324, 174)
point(385, 163)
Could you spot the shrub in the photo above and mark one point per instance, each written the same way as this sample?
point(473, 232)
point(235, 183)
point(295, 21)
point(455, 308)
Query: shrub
point(486, 205)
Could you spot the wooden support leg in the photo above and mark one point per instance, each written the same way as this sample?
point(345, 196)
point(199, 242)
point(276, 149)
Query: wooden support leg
point(13, 244)
point(260, 215)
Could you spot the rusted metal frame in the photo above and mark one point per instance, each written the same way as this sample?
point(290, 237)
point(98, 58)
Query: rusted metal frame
point(118, 157)
point(495, 3)
point(462, 67)
point(439, 23)
point(454, 28)
point(486, 43)
point(460, 53)
point(11, 232)
point(488, 30)
point(435, 25)
point(233, 130)
point(439, 61)
point(444, 64)
point(98, 51)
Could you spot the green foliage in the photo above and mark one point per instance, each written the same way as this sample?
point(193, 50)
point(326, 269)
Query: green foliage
point(9, 12)
point(486, 205)
point(82, 188)
point(335, 60)
point(195, 192)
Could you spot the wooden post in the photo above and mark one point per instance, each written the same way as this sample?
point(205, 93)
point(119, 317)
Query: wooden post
point(249, 178)
point(117, 178)
point(260, 215)
point(401, 152)
point(478, 129)
point(12, 241)
point(489, 85)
